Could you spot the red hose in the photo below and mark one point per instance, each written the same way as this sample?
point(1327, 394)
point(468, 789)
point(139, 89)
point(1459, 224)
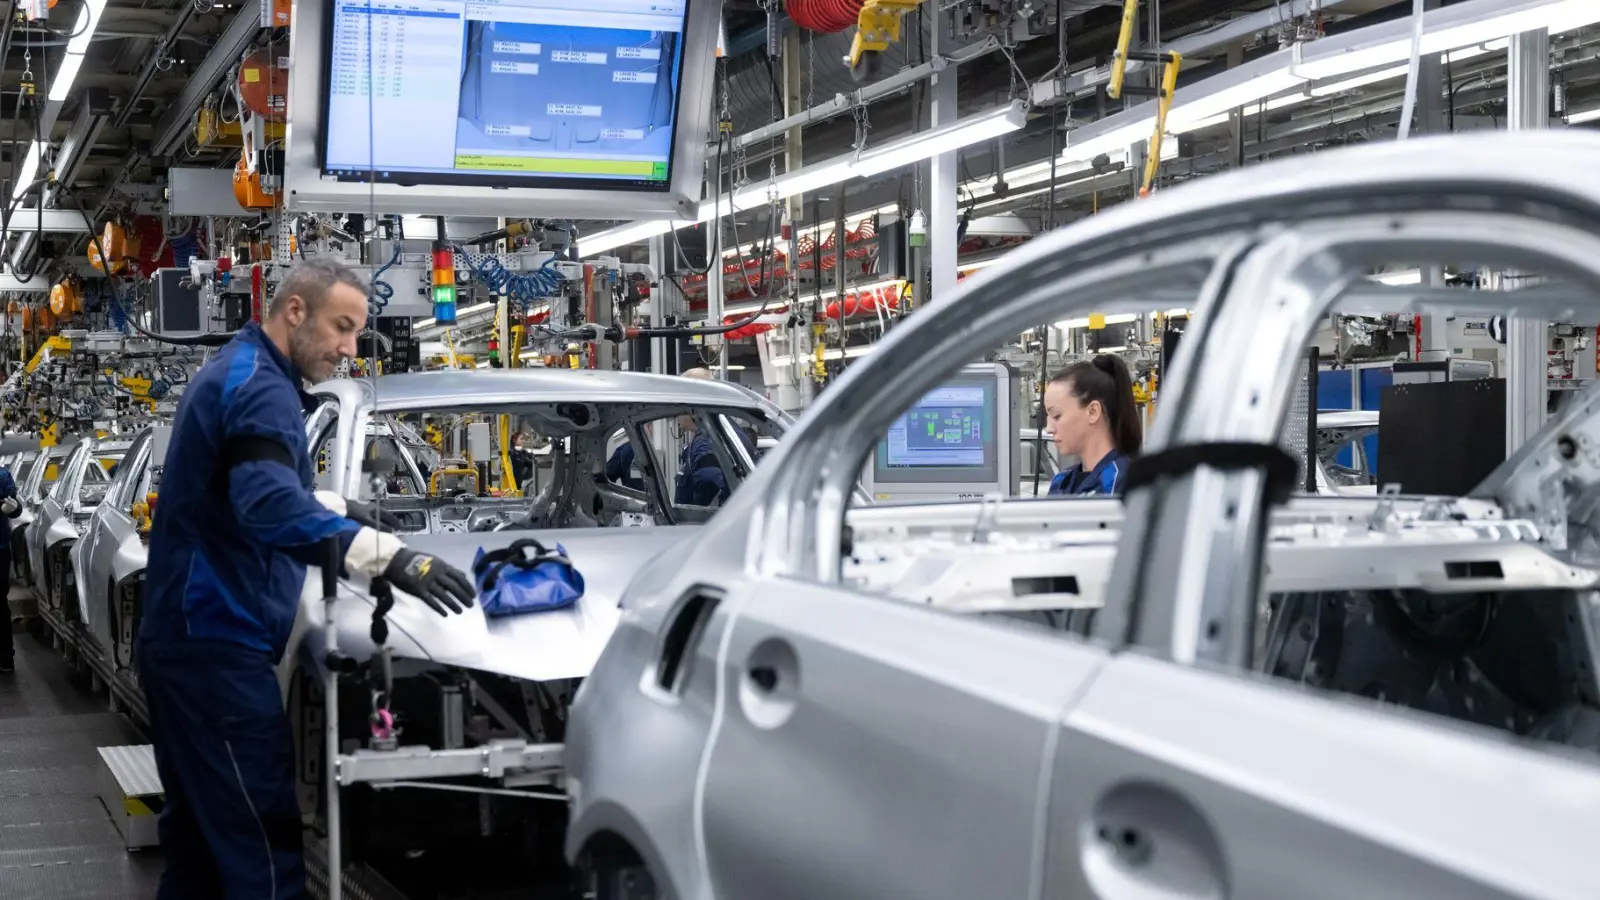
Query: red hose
point(826, 16)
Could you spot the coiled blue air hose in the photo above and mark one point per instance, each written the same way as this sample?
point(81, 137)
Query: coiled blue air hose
point(522, 287)
point(381, 290)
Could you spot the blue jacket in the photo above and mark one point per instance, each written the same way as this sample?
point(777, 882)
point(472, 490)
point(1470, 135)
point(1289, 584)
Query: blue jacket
point(229, 546)
point(700, 476)
point(619, 468)
point(8, 488)
point(1105, 478)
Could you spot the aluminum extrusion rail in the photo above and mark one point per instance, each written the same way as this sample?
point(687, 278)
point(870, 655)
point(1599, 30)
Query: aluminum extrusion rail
point(517, 762)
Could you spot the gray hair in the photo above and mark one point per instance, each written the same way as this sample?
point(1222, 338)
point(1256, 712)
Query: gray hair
point(311, 279)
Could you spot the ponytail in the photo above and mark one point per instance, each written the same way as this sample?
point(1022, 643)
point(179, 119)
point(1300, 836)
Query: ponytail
point(1106, 379)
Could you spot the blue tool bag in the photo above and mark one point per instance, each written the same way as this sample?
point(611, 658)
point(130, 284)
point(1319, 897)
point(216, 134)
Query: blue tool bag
point(514, 581)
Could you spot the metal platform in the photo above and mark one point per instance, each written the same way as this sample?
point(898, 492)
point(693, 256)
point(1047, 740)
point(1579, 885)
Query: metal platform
point(130, 789)
point(56, 839)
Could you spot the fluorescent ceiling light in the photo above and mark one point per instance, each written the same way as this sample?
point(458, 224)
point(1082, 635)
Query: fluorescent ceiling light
point(1481, 22)
point(77, 48)
point(926, 145)
point(622, 235)
point(30, 171)
point(1413, 276)
point(88, 21)
point(780, 362)
point(1114, 319)
point(1465, 30)
point(61, 85)
point(915, 148)
point(1588, 115)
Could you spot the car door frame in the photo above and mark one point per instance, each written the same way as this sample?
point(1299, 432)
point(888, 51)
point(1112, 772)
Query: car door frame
point(115, 510)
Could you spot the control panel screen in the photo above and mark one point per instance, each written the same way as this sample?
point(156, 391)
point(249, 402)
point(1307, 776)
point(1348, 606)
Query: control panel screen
point(515, 93)
point(951, 434)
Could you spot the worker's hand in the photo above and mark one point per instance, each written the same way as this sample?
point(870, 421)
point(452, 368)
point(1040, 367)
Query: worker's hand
point(370, 515)
point(9, 505)
point(442, 586)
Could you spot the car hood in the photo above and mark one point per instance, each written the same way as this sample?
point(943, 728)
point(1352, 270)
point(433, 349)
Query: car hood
point(536, 646)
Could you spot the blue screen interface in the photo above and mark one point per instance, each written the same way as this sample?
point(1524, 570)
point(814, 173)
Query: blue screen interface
point(947, 429)
point(510, 91)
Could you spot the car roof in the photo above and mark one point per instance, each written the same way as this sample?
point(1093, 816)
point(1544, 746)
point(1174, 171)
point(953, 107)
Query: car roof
point(501, 387)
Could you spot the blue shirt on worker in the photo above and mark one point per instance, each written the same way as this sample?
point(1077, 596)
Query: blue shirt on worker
point(8, 488)
point(229, 549)
point(1105, 478)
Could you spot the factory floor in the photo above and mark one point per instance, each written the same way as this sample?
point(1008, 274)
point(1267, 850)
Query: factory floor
point(56, 838)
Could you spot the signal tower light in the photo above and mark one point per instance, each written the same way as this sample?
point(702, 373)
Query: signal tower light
point(444, 284)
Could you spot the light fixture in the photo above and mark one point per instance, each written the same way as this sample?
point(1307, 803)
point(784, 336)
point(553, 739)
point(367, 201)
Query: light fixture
point(926, 145)
point(780, 362)
point(1464, 30)
point(1411, 276)
point(1113, 319)
point(1588, 115)
point(29, 171)
point(77, 49)
point(906, 151)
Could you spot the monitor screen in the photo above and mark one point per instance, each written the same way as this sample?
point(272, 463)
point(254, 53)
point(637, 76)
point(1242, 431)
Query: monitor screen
point(504, 93)
point(950, 435)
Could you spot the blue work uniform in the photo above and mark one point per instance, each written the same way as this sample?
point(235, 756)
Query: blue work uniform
point(8, 488)
point(1105, 478)
point(700, 476)
point(619, 468)
point(235, 528)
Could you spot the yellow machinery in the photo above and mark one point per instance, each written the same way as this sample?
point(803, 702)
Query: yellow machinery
point(877, 26)
point(1171, 63)
point(55, 344)
point(452, 472)
point(508, 481)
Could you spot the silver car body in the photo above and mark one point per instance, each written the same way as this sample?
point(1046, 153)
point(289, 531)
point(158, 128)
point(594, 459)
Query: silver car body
point(556, 645)
point(809, 737)
point(109, 560)
point(32, 490)
point(63, 516)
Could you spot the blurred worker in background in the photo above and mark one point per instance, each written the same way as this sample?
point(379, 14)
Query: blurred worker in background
point(701, 480)
point(522, 463)
point(1091, 413)
point(11, 507)
point(237, 525)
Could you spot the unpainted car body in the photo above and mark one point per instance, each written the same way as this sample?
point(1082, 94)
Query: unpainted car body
point(469, 680)
point(109, 560)
point(63, 515)
point(1195, 728)
point(42, 475)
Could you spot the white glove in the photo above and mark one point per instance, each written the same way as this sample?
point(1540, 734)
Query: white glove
point(9, 505)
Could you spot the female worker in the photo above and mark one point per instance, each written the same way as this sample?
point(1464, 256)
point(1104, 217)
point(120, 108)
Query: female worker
point(1090, 410)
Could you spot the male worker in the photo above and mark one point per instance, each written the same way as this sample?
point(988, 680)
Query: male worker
point(236, 527)
point(700, 477)
point(11, 507)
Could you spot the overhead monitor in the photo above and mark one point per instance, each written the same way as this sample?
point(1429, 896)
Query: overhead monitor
point(562, 108)
point(959, 441)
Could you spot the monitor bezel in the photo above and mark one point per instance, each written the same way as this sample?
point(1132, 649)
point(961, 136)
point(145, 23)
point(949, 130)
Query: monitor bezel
point(307, 188)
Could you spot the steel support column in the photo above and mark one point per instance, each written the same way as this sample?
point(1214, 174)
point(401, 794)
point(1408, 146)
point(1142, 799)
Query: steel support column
point(1528, 107)
point(943, 209)
point(1431, 119)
